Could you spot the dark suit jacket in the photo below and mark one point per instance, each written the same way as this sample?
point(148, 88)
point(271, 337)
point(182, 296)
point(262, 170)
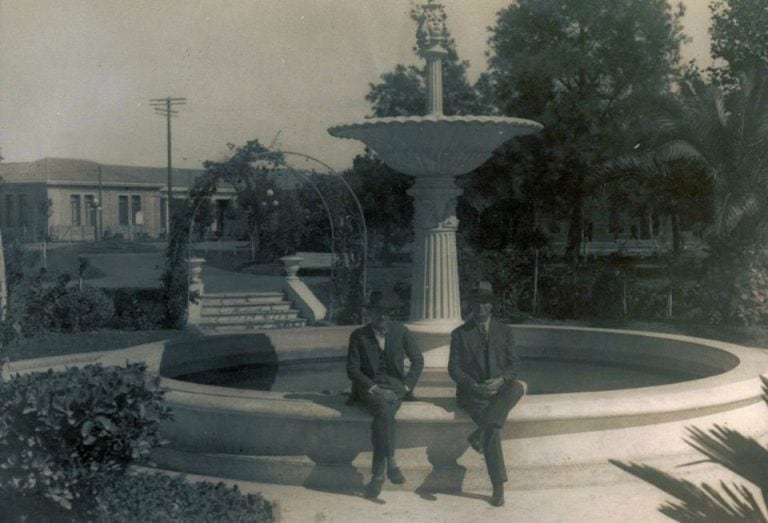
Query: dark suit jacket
point(466, 363)
point(363, 357)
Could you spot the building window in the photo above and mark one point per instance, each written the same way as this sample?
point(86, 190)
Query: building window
point(23, 221)
point(122, 205)
point(135, 208)
point(163, 212)
point(9, 207)
point(90, 210)
point(74, 205)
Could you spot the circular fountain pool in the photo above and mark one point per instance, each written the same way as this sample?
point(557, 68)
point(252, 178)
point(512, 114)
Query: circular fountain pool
point(542, 375)
point(595, 395)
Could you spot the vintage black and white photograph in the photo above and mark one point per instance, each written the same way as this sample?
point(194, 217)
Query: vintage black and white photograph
point(383, 261)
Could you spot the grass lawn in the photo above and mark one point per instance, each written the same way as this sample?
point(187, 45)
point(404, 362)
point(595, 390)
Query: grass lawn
point(59, 343)
point(139, 266)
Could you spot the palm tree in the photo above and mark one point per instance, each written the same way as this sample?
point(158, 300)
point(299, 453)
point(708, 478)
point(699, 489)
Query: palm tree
point(727, 134)
point(653, 182)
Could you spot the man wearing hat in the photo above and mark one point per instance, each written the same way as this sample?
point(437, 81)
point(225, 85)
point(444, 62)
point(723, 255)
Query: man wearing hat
point(375, 364)
point(484, 364)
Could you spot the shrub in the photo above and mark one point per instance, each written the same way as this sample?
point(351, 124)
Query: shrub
point(34, 309)
point(62, 433)
point(733, 289)
point(175, 279)
point(566, 293)
point(137, 309)
point(74, 309)
point(649, 303)
point(158, 497)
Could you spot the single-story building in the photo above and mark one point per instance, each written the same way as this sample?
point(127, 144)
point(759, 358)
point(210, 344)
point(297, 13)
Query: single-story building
point(76, 200)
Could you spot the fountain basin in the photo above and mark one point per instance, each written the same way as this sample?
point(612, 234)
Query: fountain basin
point(436, 145)
point(315, 439)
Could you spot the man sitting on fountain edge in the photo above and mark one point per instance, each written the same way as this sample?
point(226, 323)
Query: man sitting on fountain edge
point(484, 364)
point(375, 364)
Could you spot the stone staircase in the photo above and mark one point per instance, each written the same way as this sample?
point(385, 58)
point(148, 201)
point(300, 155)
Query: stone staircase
point(247, 311)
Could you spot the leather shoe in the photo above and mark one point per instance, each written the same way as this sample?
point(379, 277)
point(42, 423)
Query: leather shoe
point(497, 498)
point(395, 475)
point(373, 489)
point(476, 440)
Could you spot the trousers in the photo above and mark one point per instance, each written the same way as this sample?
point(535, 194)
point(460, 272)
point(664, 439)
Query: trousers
point(490, 414)
point(383, 425)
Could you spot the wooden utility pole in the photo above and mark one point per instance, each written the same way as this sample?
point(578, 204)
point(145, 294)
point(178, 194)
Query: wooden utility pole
point(164, 107)
point(99, 209)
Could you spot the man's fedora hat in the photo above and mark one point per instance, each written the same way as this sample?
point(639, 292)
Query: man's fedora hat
point(482, 291)
point(377, 301)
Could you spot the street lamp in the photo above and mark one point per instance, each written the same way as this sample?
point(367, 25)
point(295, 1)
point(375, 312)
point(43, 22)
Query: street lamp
point(268, 200)
point(96, 206)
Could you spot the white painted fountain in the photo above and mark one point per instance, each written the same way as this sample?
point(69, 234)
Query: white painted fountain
point(435, 149)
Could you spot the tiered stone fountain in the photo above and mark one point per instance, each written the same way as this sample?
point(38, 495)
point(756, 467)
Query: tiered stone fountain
point(435, 149)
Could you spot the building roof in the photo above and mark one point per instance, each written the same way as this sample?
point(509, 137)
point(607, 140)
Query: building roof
point(67, 170)
point(72, 171)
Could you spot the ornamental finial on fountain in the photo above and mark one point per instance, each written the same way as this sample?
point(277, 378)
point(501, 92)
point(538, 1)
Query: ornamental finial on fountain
point(432, 34)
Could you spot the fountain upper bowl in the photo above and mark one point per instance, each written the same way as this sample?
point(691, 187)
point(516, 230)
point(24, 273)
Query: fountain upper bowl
point(436, 145)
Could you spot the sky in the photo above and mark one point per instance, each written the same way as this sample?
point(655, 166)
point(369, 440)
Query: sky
point(76, 76)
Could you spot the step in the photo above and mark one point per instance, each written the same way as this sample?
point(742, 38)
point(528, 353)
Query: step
point(223, 319)
point(256, 308)
point(243, 298)
point(251, 326)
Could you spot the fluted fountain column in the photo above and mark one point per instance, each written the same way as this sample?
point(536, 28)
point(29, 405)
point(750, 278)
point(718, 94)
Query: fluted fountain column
point(435, 274)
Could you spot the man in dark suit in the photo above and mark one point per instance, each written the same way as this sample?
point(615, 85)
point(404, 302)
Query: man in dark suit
point(484, 364)
point(375, 364)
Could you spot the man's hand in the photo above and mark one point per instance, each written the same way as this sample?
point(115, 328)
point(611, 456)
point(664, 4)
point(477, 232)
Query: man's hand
point(489, 387)
point(385, 394)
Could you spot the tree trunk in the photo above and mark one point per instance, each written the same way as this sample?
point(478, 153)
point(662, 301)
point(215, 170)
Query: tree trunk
point(386, 251)
point(677, 240)
point(3, 287)
point(536, 282)
point(252, 237)
point(573, 245)
point(649, 216)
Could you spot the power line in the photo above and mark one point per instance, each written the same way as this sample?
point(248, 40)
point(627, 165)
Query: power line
point(164, 107)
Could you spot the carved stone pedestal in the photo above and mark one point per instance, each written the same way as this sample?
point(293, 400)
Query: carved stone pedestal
point(435, 301)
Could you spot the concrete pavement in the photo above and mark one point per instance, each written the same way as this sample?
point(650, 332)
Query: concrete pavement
point(630, 502)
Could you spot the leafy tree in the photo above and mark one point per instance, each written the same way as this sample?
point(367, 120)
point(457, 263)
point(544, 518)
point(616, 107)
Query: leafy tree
point(581, 68)
point(383, 194)
point(738, 37)
point(247, 170)
point(3, 286)
point(402, 92)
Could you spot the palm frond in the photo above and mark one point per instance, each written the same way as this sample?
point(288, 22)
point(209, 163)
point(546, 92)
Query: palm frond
point(738, 453)
point(738, 209)
point(679, 150)
point(720, 107)
point(698, 503)
point(765, 388)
